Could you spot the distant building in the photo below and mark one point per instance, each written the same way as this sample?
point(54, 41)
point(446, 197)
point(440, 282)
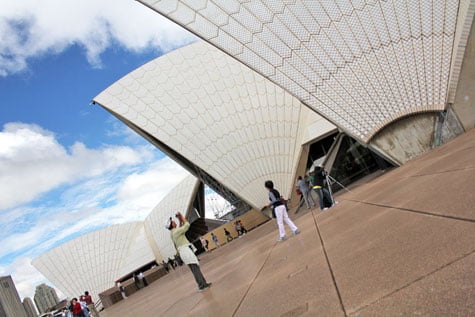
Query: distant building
point(45, 298)
point(30, 307)
point(10, 304)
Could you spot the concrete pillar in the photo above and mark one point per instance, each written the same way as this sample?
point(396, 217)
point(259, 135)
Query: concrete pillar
point(464, 103)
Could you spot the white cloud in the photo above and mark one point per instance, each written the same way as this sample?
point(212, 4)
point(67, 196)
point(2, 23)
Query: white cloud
point(32, 162)
point(153, 184)
point(30, 28)
point(97, 202)
point(82, 190)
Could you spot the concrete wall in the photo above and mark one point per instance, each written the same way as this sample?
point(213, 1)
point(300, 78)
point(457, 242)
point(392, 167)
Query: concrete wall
point(407, 138)
point(112, 295)
point(464, 104)
point(250, 220)
point(412, 136)
point(449, 127)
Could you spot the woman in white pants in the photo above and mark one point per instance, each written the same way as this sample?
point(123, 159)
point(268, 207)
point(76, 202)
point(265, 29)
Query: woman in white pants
point(280, 211)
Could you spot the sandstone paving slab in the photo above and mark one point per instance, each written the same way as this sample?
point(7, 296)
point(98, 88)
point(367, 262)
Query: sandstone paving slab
point(176, 293)
point(295, 280)
point(447, 194)
point(160, 298)
point(380, 256)
point(375, 251)
point(232, 274)
point(455, 160)
point(447, 292)
point(450, 194)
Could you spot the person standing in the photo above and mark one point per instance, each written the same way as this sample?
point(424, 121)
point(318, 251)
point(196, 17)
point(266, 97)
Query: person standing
point(184, 249)
point(228, 235)
point(204, 243)
point(121, 290)
point(319, 176)
point(215, 240)
point(302, 185)
point(90, 304)
point(76, 308)
point(280, 211)
point(142, 279)
point(85, 310)
point(237, 227)
point(243, 230)
point(136, 281)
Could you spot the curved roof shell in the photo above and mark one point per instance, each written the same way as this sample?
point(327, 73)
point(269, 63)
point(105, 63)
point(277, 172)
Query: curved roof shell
point(95, 260)
point(227, 119)
point(360, 64)
point(180, 198)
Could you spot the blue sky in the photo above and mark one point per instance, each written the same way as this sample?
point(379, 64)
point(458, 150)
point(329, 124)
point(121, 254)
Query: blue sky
point(67, 168)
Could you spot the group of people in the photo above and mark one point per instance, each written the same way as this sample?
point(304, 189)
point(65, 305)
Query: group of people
point(139, 280)
point(240, 230)
point(315, 181)
point(238, 226)
point(172, 263)
point(185, 248)
point(84, 307)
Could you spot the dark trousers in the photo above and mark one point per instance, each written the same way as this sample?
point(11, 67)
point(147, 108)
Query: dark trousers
point(323, 193)
point(199, 278)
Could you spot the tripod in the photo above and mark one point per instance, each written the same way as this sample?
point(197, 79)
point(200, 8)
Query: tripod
point(335, 181)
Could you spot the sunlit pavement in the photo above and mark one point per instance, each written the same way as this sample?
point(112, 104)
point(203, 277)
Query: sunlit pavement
point(402, 244)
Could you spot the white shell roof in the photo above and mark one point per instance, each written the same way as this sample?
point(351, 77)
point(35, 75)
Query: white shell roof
point(361, 64)
point(94, 261)
point(230, 121)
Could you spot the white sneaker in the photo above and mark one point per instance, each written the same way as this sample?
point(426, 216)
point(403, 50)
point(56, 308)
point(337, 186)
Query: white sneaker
point(282, 239)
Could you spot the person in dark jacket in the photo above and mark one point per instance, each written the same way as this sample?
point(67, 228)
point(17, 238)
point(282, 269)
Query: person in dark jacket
point(228, 235)
point(280, 211)
point(319, 176)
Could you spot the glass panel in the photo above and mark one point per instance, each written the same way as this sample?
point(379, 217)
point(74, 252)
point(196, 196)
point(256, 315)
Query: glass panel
point(352, 162)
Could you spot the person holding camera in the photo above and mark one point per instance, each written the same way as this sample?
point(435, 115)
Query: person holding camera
point(184, 248)
point(324, 197)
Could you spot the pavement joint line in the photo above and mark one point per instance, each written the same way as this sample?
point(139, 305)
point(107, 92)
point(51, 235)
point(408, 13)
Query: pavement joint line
point(359, 309)
point(426, 213)
point(342, 305)
point(254, 279)
point(181, 299)
point(443, 172)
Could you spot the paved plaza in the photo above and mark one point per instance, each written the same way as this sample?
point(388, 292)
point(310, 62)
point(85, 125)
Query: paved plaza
point(400, 245)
